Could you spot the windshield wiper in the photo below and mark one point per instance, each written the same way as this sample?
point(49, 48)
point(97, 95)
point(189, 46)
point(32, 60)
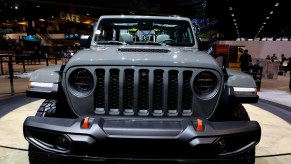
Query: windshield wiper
point(112, 42)
point(148, 43)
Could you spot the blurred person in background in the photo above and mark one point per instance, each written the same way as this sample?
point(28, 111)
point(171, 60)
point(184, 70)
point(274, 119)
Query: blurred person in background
point(288, 68)
point(283, 58)
point(245, 61)
point(274, 57)
point(268, 57)
point(17, 53)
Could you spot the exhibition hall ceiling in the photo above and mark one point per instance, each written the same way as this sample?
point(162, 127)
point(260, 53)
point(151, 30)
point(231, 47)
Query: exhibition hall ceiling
point(247, 19)
point(250, 19)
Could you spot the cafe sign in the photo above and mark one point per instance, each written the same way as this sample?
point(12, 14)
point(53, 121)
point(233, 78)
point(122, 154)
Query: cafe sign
point(70, 17)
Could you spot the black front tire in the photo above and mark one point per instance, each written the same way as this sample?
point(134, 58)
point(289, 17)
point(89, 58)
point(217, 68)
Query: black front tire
point(235, 112)
point(49, 108)
point(54, 108)
point(230, 112)
point(37, 156)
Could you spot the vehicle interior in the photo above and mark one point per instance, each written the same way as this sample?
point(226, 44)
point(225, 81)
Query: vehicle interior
point(149, 32)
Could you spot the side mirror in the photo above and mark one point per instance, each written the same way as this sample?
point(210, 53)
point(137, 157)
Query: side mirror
point(85, 41)
point(203, 45)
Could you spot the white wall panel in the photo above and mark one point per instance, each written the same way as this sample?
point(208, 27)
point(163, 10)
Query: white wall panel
point(260, 49)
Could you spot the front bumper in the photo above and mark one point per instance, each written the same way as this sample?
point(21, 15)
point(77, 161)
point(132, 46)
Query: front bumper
point(142, 138)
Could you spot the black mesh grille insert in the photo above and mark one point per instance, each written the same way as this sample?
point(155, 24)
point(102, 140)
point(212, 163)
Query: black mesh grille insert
point(143, 91)
point(173, 91)
point(114, 89)
point(128, 89)
point(100, 90)
point(187, 92)
point(158, 91)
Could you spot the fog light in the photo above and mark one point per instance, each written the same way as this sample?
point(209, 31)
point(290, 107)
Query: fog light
point(63, 142)
point(220, 145)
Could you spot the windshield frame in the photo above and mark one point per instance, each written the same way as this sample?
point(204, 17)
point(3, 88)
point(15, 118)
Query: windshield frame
point(152, 25)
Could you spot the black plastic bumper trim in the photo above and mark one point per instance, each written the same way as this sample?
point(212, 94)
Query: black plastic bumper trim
point(42, 95)
point(107, 134)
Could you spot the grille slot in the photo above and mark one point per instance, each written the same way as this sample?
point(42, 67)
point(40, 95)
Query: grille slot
point(100, 92)
point(114, 92)
point(143, 91)
point(173, 92)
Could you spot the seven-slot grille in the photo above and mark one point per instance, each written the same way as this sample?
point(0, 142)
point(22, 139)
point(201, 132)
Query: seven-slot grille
point(143, 91)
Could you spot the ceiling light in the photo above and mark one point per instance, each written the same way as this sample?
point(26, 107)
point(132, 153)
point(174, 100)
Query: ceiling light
point(232, 15)
point(37, 6)
point(87, 13)
point(277, 4)
point(87, 22)
point(234, 20)
point(267, 17)
point(22, 23)
point(264, 23)
point(271, 12)
point(230, 8)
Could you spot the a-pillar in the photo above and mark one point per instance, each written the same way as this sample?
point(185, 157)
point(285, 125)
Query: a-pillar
point(30, 27)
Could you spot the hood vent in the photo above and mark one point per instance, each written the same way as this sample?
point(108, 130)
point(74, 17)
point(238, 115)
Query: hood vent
point(145, 50)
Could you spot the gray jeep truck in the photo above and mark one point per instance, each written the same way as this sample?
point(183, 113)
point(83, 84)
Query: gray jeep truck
point(141, 90)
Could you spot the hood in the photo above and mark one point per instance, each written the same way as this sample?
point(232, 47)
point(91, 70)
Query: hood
point(143, 56)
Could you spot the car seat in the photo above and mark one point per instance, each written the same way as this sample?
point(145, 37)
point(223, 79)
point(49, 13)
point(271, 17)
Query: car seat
point(162, 37)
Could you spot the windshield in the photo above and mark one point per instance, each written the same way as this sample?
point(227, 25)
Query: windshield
point(144, 31)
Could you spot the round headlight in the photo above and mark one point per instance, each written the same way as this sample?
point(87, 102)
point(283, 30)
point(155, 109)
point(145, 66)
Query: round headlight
point(204, 83)
point(81, 80)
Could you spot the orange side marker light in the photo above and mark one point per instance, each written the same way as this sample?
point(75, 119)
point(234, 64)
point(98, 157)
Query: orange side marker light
point(28, 85)
point(199, 125)
point(86, 123)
